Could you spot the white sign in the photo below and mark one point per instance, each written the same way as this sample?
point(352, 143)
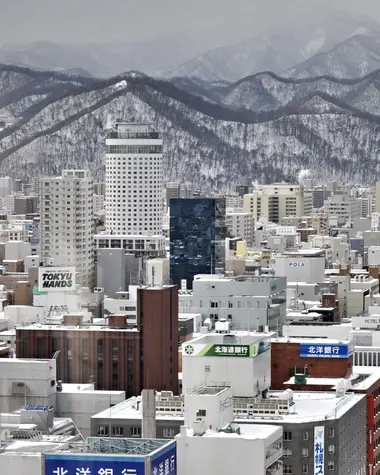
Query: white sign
point(365, 322)
point(319, 450)
point(183, 285)
point(56, 279)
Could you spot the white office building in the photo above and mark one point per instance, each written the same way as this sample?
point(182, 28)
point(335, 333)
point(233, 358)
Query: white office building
point(134, 180)
point(240, 224)
point(246, 302)
point(6, 186)
point(274, 202)
point(211, 443)
point(67, 226)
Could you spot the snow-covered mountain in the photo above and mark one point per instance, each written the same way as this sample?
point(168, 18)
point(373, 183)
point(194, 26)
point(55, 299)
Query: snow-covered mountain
point(353, 58)
point(295, 42)
point(60, 121)
point(269, 92)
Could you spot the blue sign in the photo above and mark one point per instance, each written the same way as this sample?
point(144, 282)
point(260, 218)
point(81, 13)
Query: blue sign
point(164, 462)
point(325, 350)
point(84, 464)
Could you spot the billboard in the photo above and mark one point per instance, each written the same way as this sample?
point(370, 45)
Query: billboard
point(164, 462)
point(88, 464)
point(318, 350)
point(319, 450)
point(237, 351)
point(56, 279)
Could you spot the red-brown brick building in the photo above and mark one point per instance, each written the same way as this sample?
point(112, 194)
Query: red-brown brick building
point(300, 373)
point(120, 356)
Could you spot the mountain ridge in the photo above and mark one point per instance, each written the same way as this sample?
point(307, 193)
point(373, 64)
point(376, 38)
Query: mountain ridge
point(217, 143)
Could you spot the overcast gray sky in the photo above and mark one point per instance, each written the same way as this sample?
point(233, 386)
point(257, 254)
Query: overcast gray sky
point(95, 20)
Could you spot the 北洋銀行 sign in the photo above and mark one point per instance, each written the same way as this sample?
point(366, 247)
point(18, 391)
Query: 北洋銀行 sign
point(319, 350)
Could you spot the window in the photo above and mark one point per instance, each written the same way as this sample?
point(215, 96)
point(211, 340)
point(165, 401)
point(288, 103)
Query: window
point(331, 465)
point(168, 433)
point(305, 469)
point(118, 431)
point(331, 432)
point(306, 435)
point(214, 304)
point(305, 452)
point(287, 435)
point(102, 430)
point(287, 453)
point(331, 449)
point(287, 470)
point(201, 413)
point(135, 431)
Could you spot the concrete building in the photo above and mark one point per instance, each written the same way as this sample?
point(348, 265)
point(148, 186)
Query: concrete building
point(246, 302)
point(273, 202)
point(227, 357)
point(342, 208)
point(240, 224)
point(306, 418)
point(80, 402)
point(25, 382)
point(67, 223)
point(6, 186)
point(26, 204)
point(211, 443)
point(329, 372)
point(134, 180)
point(111, 356)
point(304, 265)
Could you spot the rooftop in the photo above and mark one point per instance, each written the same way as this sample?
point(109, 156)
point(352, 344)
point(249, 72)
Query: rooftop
point(304, 407)
point(313, 407)
point(84, 327)
point(363, 378)
point(311, 341)
point(247, 431)
point(236, 337)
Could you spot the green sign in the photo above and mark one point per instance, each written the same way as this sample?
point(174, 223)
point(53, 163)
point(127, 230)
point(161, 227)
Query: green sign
point(240, 351)
point(37, 292)
point(237, 351)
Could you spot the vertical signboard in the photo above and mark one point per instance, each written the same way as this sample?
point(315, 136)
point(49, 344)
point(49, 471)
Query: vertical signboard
point(164, 462)
point(83, 464)
point(319, 450)
point(370, 431)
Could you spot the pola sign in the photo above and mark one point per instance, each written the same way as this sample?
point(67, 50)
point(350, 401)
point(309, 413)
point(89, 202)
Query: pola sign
point(54, 279)
point(296, 264)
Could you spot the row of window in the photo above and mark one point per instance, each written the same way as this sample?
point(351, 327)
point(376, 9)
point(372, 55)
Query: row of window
point(305, 451)
point(157, 149)
point(288, 469)
point(118, 431)
point(288, 436)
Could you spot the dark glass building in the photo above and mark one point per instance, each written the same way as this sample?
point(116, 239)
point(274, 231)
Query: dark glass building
point(197, 233)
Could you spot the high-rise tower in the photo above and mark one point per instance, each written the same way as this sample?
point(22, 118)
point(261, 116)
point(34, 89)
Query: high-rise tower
point(134, 180)
point(67, 223)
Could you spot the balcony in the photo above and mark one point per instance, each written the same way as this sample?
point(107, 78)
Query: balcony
point(274, 469)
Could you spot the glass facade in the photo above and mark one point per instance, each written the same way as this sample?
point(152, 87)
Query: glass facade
point(197, 233)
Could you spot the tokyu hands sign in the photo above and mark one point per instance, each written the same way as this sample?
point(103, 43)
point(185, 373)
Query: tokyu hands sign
point(56, 279)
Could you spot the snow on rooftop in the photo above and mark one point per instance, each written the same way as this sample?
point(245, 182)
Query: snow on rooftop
point(247, 431)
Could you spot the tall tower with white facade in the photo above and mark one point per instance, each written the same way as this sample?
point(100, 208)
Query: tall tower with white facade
point(67, 227)
point(134, 180)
